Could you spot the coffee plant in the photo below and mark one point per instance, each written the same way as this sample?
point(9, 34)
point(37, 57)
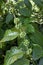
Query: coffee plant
point(21, 32)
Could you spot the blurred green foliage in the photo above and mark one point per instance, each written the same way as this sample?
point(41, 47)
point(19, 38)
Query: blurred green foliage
point(21, 32)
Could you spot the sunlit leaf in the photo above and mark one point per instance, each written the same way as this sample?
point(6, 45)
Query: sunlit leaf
point(9, 35)
point(13, 55)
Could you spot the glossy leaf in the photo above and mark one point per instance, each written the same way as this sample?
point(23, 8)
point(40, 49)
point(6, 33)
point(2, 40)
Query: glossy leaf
point(13, 55)
point(9, 35)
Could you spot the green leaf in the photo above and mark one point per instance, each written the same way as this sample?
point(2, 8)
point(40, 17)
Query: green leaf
point(9, 35)
point(9, 17)
point(22, 9)
point(37, 51)
point(22, 61)
point(38, 3)
point(30, 28)
point(28, 4)
point(37, 38)
point(27, 20)
point(25, 12)
point(13, 55)
point(41, 61)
